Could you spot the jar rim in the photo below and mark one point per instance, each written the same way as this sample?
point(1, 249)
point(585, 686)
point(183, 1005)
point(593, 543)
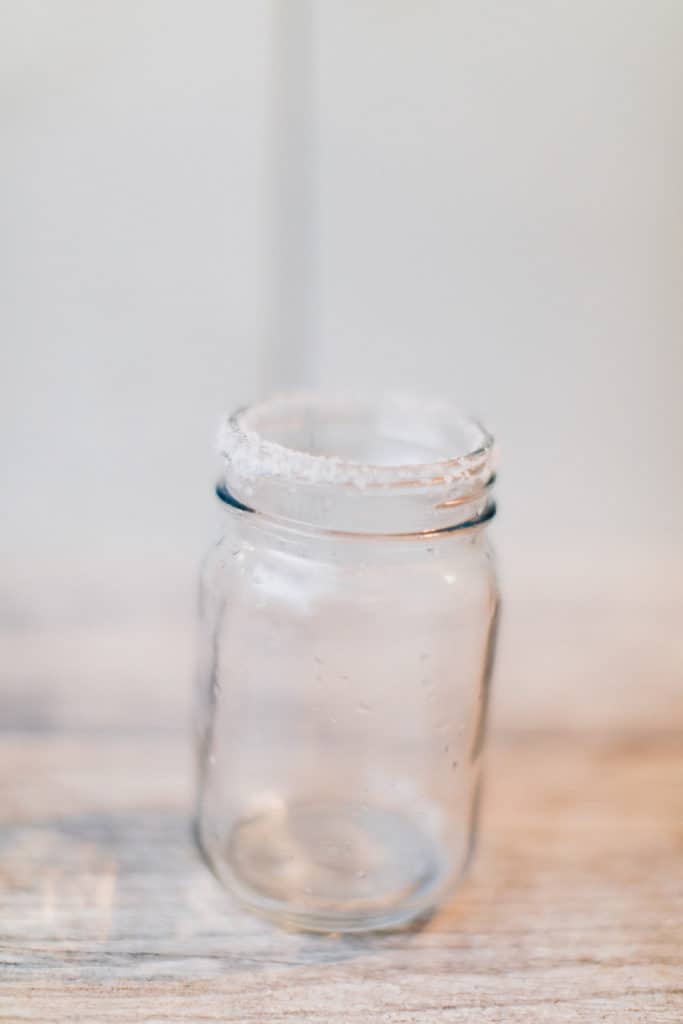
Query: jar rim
point(255, 442)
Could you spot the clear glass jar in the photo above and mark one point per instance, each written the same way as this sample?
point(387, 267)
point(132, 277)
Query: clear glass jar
point(348, 618)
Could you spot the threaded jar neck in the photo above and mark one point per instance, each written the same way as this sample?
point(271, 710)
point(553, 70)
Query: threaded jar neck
point(395, 465)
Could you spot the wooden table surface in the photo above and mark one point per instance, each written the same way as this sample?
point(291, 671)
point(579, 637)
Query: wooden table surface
point(572, 913)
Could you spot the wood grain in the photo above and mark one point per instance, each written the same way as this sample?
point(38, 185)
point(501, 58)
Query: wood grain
point(573, 911)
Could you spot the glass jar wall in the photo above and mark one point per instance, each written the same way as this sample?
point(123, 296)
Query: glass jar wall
point(348, 617)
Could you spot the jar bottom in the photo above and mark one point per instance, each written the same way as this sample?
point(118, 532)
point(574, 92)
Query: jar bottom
point(345, 867)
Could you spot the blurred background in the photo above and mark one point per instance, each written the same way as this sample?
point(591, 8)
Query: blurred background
point(202, 203)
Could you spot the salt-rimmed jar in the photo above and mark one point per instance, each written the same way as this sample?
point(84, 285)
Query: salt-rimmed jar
point(348, 618)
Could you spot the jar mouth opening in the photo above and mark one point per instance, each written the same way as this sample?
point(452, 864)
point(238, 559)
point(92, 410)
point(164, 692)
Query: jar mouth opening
point(395, 441)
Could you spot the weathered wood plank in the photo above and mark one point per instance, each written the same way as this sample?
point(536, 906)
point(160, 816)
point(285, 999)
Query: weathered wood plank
point(573, 912)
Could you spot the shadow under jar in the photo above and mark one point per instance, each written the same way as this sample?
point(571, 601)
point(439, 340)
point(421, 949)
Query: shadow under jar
point(348, 620)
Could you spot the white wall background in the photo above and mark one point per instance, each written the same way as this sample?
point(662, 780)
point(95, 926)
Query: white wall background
point(502, 218)
point(201, 202)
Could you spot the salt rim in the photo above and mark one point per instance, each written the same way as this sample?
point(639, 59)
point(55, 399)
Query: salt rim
point(250, 457)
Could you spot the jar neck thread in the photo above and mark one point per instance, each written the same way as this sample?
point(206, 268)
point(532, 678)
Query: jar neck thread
point(395, 466)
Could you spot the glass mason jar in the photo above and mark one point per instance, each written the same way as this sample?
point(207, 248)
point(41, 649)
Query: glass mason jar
point(348, 618)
